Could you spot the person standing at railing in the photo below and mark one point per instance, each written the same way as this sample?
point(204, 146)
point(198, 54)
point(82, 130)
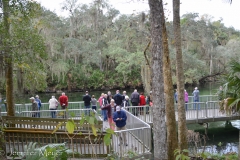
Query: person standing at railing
point(110, 107)
point(135, 102)
point(87, 102)
point(94, 102)
point(120, 118)
point(118, 98)
point(126, 102)
point(124, 95)
point(34, 107)
point(63, 100)
point(109, 97)
point(105, 103)
point(176, 96)
point(186, 98)
point(142, 102)
point(196, 97)
point(53, 104)
point(104, 112)
point(3, 103)
point(39, 105)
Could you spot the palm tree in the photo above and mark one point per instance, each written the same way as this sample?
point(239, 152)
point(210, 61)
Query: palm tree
point(231, 89)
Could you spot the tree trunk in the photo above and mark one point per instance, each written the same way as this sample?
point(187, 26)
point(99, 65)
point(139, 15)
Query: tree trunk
point(172, 141)
point(182, 128)
point(8, 60)
point(69, 81)
point(239, 146)
point(20, 81)
point(159, 124)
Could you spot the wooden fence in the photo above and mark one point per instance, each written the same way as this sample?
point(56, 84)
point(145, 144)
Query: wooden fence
point(19, 131)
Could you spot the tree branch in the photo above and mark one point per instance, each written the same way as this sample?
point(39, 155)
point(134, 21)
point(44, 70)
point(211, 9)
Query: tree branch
point(145, 54)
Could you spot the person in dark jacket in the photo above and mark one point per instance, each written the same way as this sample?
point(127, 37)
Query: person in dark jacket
point(87, 102)
point(118, 98)
point(120, 118)
point(135, 101)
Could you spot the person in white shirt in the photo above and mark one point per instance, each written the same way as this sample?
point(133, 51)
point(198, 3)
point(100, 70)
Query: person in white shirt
point(53, 104)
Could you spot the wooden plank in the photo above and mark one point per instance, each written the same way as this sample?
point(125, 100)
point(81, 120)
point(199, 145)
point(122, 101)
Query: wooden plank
point(45, 124)
point(38, 119)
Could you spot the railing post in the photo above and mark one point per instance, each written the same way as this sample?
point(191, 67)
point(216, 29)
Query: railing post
point(143, 137)
point(197, 109)
point(206, 108)
point(214, 111)
point(144, 113)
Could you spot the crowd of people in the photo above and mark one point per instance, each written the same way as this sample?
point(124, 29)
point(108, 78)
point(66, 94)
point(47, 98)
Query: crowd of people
point(122, 100)
point(195, 98)
point(108, 103)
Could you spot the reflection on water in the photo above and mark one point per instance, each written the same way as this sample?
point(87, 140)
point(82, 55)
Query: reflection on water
point(218, 133)
point(236, 124)
point(225, 148)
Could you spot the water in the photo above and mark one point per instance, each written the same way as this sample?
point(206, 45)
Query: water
point(73, 97)
point(206, 89)
point(221, 138)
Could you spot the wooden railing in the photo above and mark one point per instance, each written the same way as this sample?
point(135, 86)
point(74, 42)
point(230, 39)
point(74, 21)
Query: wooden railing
point(19, 131)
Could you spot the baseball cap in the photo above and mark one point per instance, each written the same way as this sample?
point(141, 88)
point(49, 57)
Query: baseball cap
point(118, 108)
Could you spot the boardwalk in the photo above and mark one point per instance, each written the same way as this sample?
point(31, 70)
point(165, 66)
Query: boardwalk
point(200, 112)
point(197, 116)
point(138, 131)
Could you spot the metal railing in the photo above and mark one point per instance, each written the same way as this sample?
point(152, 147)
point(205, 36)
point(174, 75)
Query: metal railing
point(45, 106)
point(136, 137)
point(69, 113)
point(204, 98)
point(142, 112)
point(194, 111)
point(80, 104)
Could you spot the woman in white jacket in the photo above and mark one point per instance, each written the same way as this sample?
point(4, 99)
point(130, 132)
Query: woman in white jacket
point(53, 104)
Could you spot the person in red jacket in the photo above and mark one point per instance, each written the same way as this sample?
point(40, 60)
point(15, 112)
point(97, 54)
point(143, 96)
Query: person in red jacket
point(63, 100)
point(142, 102)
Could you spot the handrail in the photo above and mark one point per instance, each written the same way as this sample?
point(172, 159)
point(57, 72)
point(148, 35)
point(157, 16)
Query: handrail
point(137, 118)
point(133, 129)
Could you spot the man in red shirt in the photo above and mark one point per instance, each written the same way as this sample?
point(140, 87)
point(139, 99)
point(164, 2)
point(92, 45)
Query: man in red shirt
point(142, 102)
point(63, 100)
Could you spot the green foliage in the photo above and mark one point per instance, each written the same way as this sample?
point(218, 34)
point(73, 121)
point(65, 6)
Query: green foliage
point(108, 136)
point(48, 152)
point(105, 50)
point(181, 155)
point(70, 126)
point(231, 89)
point(131, 154)
point(26, 46)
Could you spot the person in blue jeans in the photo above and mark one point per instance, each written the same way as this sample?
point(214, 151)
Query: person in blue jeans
point(87, 102)
point(104, 103)
point(39, 105)
point(196, 97)
point(53, 104)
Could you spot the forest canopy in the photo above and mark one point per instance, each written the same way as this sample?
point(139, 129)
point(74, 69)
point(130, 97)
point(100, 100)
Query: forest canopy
point(96, 47)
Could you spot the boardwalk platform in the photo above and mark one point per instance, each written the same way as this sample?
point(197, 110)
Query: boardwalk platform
point(196, 116)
